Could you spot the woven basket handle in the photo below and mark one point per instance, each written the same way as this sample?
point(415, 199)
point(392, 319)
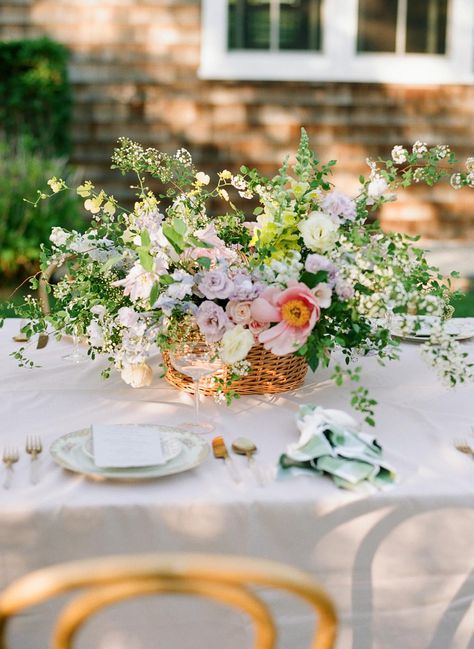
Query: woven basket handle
point(46, 275)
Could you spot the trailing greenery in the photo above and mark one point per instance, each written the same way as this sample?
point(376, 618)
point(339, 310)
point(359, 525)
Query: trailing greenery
point(35, 94)
point(22, 227)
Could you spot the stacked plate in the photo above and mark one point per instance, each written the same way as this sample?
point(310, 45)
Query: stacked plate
point(418, 328)
point(182, 450)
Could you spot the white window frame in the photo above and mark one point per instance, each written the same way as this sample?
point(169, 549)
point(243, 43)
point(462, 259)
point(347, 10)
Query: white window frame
point(339, 59)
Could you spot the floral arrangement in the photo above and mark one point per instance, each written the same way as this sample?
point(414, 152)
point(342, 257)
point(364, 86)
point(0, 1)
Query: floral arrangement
point(310, 273)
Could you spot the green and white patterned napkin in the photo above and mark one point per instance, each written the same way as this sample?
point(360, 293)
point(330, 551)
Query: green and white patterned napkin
point(330, 443)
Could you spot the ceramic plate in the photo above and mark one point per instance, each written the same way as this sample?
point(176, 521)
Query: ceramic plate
point(459, 328)
point(69, 452)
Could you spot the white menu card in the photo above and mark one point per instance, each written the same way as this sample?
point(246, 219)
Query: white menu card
point(123, 446)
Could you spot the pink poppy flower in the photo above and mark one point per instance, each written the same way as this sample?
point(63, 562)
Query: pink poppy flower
point(295, 310)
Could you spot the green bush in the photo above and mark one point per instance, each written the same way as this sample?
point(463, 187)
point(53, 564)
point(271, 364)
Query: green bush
point(24, 227)
point(35, 94)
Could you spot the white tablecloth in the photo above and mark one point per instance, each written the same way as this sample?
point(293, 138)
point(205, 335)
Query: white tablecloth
point(398, 564)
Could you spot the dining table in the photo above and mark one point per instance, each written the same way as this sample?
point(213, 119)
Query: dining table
point(398, 563)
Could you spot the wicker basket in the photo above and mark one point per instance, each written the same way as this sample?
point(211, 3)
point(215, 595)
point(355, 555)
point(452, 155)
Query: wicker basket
point(270, 374)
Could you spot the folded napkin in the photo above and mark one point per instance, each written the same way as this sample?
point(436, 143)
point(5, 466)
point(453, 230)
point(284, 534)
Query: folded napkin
point(330, 443)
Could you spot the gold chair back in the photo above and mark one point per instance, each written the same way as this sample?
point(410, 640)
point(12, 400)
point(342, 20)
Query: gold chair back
point(226, 579)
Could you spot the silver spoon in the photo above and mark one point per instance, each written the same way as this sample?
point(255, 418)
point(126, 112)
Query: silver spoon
point(244, 446)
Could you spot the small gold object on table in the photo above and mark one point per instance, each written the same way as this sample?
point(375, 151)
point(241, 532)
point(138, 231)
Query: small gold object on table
point(11, 455)
point(34, 448)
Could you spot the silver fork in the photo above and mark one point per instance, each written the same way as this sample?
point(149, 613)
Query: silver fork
point(33, 447)
point(11, 455)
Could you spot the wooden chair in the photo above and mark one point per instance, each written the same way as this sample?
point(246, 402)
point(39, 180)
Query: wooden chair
point(108, 580)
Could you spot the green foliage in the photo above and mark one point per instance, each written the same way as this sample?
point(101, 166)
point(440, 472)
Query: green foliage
point(463, 304)
point(23, 228)
point(35, 94)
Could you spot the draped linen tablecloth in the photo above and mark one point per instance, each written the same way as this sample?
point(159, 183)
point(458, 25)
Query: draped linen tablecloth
point(399, 564)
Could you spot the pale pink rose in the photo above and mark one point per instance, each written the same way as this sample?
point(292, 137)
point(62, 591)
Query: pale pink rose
point(239, 312)
point(257, 327)
point(295, 310)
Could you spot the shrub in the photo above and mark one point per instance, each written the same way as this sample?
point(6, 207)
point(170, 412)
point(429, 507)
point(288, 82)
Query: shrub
point(23, 227)
point(35, 94)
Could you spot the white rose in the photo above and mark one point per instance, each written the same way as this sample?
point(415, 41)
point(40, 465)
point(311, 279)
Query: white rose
point(319, 232)
point(58, 236)
point(138, 375)
point(236, 344)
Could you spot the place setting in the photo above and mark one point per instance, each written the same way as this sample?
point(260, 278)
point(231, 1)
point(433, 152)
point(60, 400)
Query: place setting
point(129, 452)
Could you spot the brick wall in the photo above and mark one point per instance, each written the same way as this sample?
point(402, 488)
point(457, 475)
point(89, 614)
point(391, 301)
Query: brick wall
point(134, 69)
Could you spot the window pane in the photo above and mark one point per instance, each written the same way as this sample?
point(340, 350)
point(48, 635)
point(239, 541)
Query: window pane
point(249, 24)
point(300, 24)
point(426, 26)
point(377, 28)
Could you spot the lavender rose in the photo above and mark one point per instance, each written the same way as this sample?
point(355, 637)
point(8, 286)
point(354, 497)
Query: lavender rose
point(339, 207)
point(212, 321)
point(215, 285)
point(245, 287)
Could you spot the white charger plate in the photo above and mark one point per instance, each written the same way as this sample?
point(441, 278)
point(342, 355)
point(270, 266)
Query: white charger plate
point(458, 328)
point(69, 452)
